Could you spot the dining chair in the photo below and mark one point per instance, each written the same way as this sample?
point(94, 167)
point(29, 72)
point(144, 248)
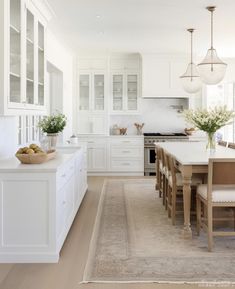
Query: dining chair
point(222, 143)
point(218, 192)
point(231, 145)
point(158, 166)
point(175, 189)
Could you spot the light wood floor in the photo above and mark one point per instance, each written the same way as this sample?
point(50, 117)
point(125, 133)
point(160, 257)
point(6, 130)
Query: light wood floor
point(69, 271)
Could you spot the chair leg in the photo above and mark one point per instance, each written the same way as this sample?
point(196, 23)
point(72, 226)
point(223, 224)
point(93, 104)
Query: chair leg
point(169, 201)
point(166, 193)
point(210, 229)
point(199, 215)
point(173, 211)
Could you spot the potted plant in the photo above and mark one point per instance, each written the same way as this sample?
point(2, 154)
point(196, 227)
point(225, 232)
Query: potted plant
point(52, 125)
point(209, 121)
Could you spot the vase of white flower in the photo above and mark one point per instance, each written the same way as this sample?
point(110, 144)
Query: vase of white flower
point(209, 121)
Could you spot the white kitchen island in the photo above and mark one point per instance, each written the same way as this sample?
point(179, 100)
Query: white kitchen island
point(38, 204)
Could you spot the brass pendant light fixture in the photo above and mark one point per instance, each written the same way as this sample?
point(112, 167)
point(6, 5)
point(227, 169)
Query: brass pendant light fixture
point(212, 69)
point(191, 81)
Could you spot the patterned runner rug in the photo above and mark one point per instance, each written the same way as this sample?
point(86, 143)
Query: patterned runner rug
point(133, 241)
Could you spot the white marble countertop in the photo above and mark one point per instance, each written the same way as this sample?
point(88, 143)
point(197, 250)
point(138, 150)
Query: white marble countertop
point(195, 153)
point(111, 135)
point(13, 165)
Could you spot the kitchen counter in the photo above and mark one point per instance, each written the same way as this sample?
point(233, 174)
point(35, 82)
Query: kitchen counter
point(13, 165)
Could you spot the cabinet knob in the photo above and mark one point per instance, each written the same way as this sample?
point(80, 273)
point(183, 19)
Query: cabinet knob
point(64, 202)
point(63, 176)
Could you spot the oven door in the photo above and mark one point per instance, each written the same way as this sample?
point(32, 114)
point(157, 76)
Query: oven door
point(149, 160)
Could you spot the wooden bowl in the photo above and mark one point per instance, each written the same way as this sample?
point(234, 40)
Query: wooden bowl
point(36, 158)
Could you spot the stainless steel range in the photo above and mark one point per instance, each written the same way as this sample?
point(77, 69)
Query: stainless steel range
point(149, 148)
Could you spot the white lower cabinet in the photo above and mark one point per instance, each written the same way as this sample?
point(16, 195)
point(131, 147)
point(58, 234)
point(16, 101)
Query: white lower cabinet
point(38, 204)
point(114, 155)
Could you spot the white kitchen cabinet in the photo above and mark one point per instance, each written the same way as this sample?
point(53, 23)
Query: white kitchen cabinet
point(161, 76)
point(114, 155)
point(126, 155)
point(125, 92)
point(96, 155)
point(38, 204)
point(92, 90)
point(22, 58)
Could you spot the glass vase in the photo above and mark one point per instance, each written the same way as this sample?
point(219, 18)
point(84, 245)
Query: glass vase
point(210, 141)
point(52, 140)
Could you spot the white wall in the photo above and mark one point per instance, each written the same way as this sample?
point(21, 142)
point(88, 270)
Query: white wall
point(62, 58)
point(157, 114)
point(8, 136)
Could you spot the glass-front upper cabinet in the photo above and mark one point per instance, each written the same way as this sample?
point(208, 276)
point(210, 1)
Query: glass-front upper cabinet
point(92, 91)
point(99, 91)
point(132, 91)
point(30, 58)
point(118, 90)
point(125, 92)
point(84, 92)
point(41, 64)
point(15, 52)
point(24, 58)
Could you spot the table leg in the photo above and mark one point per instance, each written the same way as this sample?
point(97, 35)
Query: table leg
point(187, 179)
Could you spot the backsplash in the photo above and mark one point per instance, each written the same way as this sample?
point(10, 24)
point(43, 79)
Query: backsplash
point(159, 115)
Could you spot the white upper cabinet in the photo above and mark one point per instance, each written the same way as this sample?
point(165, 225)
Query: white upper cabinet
point(22, 58)
point(92, 90)
point(161, 76)
point(125, 92)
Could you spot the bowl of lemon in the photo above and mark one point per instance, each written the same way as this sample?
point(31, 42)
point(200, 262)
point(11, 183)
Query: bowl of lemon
point(33, 154)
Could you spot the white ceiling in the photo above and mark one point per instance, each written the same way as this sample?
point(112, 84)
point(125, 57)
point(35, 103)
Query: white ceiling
point(143, 25)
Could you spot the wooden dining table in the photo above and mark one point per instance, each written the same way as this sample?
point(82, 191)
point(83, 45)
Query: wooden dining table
point(192, 158)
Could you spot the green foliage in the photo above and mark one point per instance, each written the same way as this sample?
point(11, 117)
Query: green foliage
point(53, 124)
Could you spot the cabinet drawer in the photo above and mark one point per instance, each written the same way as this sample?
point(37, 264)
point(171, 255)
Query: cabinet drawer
point(127, 165)
point(126, 152)
point(127, 142)
point(64, 174)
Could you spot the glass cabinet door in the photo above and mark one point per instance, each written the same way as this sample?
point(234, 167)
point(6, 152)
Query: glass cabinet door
point(132, 91)
point(41, 62)
point(84, 87)
point(15, 51)
point(99, 91)
point(30, 77)
point(117, 92)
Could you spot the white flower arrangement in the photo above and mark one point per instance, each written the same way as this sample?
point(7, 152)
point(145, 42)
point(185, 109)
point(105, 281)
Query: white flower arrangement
point(209, 120)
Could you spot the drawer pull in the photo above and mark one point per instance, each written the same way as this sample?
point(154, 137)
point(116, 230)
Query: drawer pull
point(126, 141)
point(63, 176)
point(64, 202)
point(126, 152)
point(90, 142)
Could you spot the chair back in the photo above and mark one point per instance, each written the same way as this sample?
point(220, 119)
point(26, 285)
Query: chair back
point(220, 172)
point(172, 170)
point(222, 143)
point(231, 145)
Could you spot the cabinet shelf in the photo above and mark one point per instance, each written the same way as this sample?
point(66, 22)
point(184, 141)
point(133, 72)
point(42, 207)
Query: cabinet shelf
point(30, 41)
point(14, 74)
point(16, 30)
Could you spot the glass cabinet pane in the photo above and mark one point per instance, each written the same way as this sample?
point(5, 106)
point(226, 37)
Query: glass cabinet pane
point(118, 92)
point(84, 91)
point(99, 92)
point(30, 58)
point(132, 91)
point(15, 51)
point(41, 61)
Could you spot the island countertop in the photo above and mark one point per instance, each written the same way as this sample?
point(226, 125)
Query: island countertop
point(13, 165)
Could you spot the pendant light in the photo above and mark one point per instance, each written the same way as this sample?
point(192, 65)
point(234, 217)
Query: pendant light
point(191, 81)
point(212, 69)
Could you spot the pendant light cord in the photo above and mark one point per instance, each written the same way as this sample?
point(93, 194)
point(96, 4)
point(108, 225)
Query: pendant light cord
point(212, 30)
point(191, 55)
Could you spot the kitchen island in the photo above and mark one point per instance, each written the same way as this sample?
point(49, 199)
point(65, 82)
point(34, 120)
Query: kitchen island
point(38, 204)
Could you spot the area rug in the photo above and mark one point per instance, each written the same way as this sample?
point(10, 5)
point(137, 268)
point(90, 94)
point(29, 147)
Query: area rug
point(134, 241)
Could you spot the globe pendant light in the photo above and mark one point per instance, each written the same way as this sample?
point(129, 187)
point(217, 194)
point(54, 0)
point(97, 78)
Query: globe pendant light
point(191, 81)
point(212, 69)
